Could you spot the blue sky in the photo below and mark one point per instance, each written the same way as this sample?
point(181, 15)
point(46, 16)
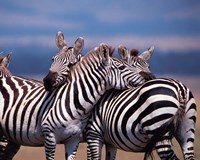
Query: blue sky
point(172, 25)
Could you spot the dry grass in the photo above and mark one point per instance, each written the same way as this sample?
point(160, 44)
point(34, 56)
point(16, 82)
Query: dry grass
point(38, 153)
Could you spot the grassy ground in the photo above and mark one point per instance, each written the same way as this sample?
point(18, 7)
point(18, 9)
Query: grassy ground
point(38, 153)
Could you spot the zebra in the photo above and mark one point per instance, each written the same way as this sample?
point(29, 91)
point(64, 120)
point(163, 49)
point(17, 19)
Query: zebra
point(143, 119)
point(31, 87)
point(37, 122)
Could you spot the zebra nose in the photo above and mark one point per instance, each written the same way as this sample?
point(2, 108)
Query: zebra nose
point(50, 80)
point(147, 75)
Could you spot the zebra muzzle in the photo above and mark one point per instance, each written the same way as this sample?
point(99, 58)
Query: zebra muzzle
point(147, 75)
point(50, 81)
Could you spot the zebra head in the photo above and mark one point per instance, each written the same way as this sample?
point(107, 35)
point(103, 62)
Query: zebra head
point(142, 72)
point(62, 61)
point(120, 74)
point(4, 63)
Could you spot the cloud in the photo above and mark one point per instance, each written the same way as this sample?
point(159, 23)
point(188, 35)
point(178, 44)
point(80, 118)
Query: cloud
point(113, 22)
point(24, 41)
point(32, 21)
point(154, 10)
point(162, 43)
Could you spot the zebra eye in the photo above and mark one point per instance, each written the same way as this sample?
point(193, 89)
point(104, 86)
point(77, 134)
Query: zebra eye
point(70, 65)
point(121, 67)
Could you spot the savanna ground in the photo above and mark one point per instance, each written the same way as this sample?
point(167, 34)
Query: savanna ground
point(30, 153)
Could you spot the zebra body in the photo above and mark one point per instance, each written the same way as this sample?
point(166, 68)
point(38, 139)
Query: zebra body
point(60, 116)
point(21, 98)
point(133, 120)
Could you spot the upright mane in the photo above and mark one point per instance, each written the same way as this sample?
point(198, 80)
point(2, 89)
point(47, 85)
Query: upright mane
point(97, 56)
point(94, 54)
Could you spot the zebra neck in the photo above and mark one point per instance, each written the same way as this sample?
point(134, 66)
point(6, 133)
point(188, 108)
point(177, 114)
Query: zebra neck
point(82, 93)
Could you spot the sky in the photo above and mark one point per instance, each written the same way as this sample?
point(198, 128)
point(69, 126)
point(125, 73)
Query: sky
point(171, 26)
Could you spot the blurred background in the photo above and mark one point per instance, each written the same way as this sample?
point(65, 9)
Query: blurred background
point(28, 30)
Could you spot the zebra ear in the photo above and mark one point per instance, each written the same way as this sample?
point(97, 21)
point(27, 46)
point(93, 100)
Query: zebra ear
point(6, 60)
point(78, 45)
point(147, 54)
point(105, 52)
point(123, 52)
point(60, 42)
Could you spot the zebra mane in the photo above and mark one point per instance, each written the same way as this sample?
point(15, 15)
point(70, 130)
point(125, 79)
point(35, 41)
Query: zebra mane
point(96, 55)
point(93, 56)
point(134, 52)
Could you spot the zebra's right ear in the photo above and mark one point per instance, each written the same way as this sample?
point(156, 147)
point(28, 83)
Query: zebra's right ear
point(78, 45)
point(123, 53)
point(60, 42)
point(147, 54)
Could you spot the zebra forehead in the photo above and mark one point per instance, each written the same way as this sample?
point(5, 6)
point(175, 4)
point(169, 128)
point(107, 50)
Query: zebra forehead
point(139, 60)
point(120, 61)
point(67, 53)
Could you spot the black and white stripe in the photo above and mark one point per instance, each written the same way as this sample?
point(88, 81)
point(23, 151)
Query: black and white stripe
point(142, 119)
point(29, 93)
point(36, 117)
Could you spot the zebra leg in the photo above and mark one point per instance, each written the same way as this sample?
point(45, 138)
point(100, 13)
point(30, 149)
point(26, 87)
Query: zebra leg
point(94, 147)
point(110, 152)
point(185, 137)
point(185, 133)
point(11, 150)
point(3, 144)
point(164, 149)
point(71, 148)
point(50, 146)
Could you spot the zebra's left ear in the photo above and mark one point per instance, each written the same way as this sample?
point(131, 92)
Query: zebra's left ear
point(78, 45)
point(147, 54)
point(105, 53)
point(6, 60)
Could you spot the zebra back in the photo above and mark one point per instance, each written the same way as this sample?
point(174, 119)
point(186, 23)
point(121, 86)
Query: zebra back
point(4, 63)
point(66, 57)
